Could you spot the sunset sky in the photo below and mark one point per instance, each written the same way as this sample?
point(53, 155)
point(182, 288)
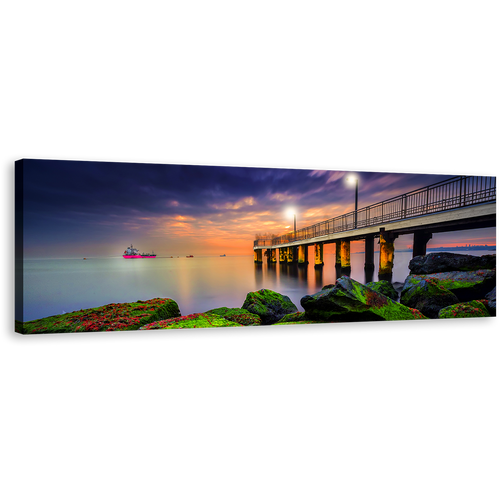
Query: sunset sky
point(92, 209)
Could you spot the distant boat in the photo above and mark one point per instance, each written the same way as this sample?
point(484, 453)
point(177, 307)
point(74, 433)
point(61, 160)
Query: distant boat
point(133, 253)
point(189, 256)
point(85, 258)
point(223, 255)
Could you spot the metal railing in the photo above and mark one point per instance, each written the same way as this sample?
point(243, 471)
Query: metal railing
point(456, 192)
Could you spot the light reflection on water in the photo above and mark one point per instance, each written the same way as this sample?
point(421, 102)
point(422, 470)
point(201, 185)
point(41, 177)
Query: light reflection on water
point(53, 286)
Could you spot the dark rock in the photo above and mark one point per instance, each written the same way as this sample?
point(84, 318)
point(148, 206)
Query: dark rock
point(492, 301)
point(441, 262)
point(326, 287)
point(383, 287)
point(466, 285)
point(268, 305)
point(349, 300)
point(426, 295)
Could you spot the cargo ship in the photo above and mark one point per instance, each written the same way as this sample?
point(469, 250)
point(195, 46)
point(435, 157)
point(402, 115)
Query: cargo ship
point(133, 253)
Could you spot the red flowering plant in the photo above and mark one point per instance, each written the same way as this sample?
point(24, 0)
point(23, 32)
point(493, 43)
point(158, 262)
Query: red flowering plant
point(111, 317)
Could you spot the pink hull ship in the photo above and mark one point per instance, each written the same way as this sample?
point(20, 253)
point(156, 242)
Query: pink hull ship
point(133, 253)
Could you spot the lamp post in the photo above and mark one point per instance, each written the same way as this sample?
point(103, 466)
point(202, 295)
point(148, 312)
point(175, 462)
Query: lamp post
point(352, 179)
point(291, 212)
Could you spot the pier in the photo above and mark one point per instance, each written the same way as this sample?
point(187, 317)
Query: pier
point(456, 204)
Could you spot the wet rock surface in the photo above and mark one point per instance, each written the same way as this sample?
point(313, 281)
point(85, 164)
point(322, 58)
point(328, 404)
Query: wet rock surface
point(270, 306)
point(440, 262)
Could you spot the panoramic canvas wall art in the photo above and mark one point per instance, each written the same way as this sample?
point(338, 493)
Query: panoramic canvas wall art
point(103, 246)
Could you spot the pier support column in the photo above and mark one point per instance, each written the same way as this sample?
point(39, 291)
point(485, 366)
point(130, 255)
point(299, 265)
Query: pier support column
point(338, 259)
point(290, 255)
point(369, 253)
point(257, 256)
point(386, 255)
point(345, 255)
point(318, 255)
point(282, 252)
point(420, 239)
point(272, 255)
point(302, 257)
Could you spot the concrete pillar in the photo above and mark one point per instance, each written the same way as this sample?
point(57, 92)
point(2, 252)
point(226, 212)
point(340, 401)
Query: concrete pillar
point(345, 254)
point(318, 255)
point(290, 255)
point(302, 257)
point(369, 253)
point(282, 252)
point(272, 255)
point(257, 256)
point(338, 260)
point(420, 239)
point(386, 256)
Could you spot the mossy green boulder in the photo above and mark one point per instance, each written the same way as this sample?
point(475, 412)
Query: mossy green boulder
point(466, 285)
point(427, 295)
point(197, 320)
point(111, 317)
point(349, 300)
point(383, 287)
point(238, 315)
point(270, 306)
point(472, 309)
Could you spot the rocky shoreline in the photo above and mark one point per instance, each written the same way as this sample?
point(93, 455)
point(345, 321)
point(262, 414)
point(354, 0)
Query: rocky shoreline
point(440, 285)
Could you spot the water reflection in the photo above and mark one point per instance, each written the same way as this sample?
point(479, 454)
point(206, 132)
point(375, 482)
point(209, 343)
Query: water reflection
point(259, 275)
point(318, 277)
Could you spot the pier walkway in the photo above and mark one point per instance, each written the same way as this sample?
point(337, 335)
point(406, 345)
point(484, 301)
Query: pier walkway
point(456, 204)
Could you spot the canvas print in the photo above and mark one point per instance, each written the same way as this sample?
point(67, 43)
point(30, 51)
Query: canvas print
point(103, 246)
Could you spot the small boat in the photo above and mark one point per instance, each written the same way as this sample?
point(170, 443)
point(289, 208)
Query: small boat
point(189, 256)
point(223, 255)
point(85, 258)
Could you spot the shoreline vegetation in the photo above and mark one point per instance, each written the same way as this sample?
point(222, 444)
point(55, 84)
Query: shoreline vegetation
point(440, 285)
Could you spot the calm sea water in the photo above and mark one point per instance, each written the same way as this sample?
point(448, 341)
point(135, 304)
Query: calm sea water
point(54, 286)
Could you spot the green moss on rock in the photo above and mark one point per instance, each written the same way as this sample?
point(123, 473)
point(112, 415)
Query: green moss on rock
point(466, 285)
point(197, 320)
point(472, 309)
point(296, 316)
point(383, 287)
point(427, 295)
point(238, 315)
